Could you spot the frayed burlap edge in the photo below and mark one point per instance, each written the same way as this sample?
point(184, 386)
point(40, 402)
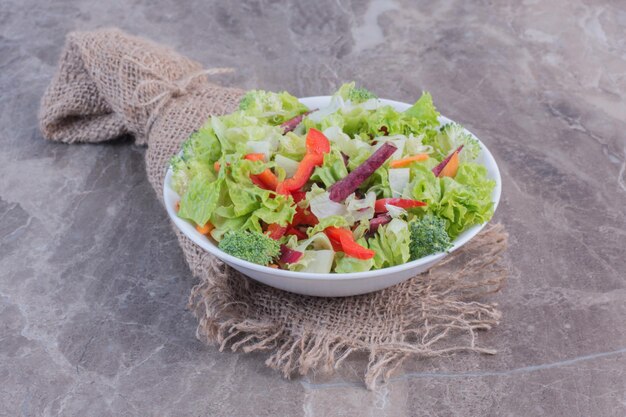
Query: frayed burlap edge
point(448, 322)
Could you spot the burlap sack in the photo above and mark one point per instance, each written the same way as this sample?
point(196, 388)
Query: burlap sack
point(109, 84)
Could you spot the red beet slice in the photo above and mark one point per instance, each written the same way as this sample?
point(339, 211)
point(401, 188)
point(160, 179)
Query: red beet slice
point(289, 256)
point(340, 190)
point(292, 123)
point(437, 170)
point(378, 221)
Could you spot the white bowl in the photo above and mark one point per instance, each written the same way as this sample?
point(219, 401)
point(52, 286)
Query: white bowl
point(332, 285)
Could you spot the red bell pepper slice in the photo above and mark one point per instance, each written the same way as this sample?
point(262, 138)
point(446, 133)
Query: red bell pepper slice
point(316, 146)
point(298, 196)
point(381, 205)
point(304, 217)
point(302, 175)
point(316, 142)
point(336, 245)
point(292, 231)
point(276, 231)
point(348, 244)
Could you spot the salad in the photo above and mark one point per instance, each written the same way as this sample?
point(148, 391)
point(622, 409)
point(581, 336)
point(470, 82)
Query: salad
point(350, 187)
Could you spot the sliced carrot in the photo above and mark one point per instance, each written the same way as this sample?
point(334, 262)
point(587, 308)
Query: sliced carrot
point(255, 157)
point(216, 166)
point(206, 229)
point(273, 266)
point(399, 163)
point(267, 177)
point(451, 167)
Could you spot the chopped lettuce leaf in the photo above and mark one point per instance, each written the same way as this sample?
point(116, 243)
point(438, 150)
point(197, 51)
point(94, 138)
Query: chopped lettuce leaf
point(292, 145)
point(360, 209)
point(463, 201)
point(424, 111)
point(289, 165)
point(275, 108)
point(450, 137)
point(200, 200)
point(351, 147)
point(335, 221)
point(314, 261)
point(332, 170)
point(391, 243)
point(399, 180)
point(322, 206)
point(346, 264)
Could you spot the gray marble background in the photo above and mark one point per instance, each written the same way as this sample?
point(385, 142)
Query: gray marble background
point(93, 286)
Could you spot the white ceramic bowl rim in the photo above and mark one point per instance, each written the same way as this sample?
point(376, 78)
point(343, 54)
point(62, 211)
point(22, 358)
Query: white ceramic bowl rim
point(170, 196)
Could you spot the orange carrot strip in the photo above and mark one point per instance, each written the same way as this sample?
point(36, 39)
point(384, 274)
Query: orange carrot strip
point(399, 163)
point(206, 229)
point(255, 157)
point(267, 177)
point(451, 167)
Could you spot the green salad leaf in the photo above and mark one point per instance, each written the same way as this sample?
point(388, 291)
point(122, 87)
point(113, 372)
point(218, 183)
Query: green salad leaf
point(200, 200)
point(391, 244)
point(273, 108)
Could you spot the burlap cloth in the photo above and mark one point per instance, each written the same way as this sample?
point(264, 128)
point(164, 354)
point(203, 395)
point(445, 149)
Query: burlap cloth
point(110, 84)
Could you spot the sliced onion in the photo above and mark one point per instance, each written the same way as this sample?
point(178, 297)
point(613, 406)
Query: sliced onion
point(322, 206)
point(289, 165)
point(398, 180)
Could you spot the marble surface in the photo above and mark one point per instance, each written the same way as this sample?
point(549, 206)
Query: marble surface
point(93, 286)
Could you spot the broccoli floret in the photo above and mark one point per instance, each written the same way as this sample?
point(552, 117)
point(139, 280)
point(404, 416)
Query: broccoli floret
point(358, 95)
point(348, 91)
point(452, 136)
point(428, 236)
point(250, 246)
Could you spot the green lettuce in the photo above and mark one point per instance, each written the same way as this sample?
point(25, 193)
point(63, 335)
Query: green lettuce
point(184, 171)
point(450, 137)
point(200, 200)
point(272, 108)
point(233, 201)
point(332, 170)
point(236, 131)
point(462, 201)
point(424, 111)
point(379, 120)
point(203, 145)
point(346, 264)
point(334, 221)
point(391, 243)
point(292, 146)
